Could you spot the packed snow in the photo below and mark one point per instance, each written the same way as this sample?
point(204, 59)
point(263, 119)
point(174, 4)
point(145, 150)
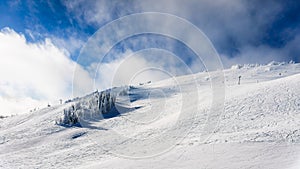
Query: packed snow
point(162, 125)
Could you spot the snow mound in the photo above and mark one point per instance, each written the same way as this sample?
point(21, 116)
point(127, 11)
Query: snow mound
point(237, 66)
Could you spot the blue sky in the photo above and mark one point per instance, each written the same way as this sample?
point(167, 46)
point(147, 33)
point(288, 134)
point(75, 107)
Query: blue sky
point(43, 39)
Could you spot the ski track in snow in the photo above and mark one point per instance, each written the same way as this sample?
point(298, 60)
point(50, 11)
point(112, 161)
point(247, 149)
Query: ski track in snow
point(259, 128)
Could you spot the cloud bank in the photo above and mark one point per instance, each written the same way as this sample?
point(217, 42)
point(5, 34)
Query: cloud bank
point(242, 31)
point(32, 74)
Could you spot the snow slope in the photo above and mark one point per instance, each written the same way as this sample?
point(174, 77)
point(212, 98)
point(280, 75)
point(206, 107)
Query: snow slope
point(162, 125)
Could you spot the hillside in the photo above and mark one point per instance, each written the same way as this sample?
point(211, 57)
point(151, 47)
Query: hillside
point(164, 125)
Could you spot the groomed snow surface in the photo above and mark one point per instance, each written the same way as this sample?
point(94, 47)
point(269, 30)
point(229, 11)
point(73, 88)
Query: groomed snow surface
point(162, 125)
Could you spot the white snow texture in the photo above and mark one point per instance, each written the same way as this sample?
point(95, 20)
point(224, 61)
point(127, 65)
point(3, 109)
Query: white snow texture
point(133, 127)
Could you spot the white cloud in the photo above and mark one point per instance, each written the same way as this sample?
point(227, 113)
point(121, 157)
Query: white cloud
point(32, 74)
point(230, 24)
point(98, 12)
point(142, 66)
point(250, 54)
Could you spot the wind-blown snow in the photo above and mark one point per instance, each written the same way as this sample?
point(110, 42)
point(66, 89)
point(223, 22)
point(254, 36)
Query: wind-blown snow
point(260, 126)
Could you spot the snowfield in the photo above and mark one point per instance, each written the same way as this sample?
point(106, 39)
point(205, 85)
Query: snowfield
point(162, 125)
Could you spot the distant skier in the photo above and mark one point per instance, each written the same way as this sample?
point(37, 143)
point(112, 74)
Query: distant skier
point(239, 82)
